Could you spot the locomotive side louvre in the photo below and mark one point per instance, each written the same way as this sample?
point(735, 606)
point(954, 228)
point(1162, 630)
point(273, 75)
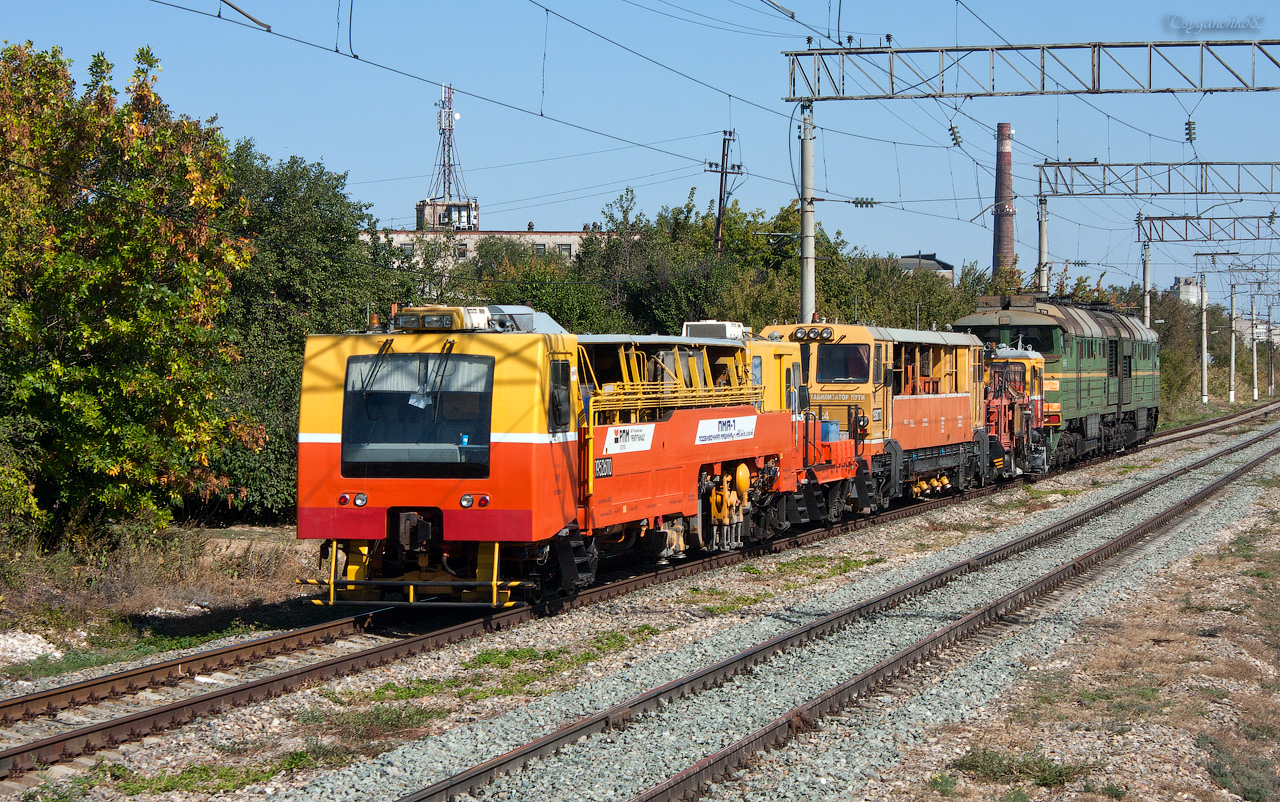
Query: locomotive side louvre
point(1102, 387)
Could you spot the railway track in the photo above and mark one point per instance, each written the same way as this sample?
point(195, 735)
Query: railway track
point(576, 754)
point(1191, 430)
point(133, 704)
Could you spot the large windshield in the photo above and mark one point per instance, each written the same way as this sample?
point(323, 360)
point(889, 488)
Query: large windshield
point(416, 415)
point(846, 362)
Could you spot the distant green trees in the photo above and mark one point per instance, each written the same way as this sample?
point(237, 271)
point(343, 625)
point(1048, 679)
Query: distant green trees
point(650, 275)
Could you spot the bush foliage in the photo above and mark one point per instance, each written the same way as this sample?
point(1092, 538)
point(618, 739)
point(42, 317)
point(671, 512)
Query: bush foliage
point(112, 278)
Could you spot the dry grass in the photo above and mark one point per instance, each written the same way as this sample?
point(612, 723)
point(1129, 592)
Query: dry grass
point(181, 582)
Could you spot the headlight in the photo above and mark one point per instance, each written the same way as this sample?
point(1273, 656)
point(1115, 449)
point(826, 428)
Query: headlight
point(407, 321)
point(437, 321)
point(828, 333)
point(798, 334)
point(466, 501)
point(813, 334)
point(361, 499)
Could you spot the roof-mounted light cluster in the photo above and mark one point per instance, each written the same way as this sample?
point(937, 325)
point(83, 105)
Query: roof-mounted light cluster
point(813, 333)
point(443, 318)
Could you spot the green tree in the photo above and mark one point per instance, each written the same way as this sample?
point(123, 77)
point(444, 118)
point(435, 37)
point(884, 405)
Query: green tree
point(112, 279)
point(316, 267)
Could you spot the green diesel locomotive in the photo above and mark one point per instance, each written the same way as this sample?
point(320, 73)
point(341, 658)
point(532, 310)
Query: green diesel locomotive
point(1102, 369)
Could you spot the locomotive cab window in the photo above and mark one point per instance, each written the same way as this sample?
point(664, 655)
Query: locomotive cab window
point(559, 409)
point(844, 363)
point(417, 415)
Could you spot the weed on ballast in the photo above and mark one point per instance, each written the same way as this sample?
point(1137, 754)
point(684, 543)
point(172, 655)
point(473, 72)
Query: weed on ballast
point(994, 766)
point(1110, 790)
point(383, 719)
point(812, 567)
point(716, 601)
point(1123, 700)
point(1250, 777)
point(1035, 492)
point(1188, 605)
point(198, 779)
point(944, 784)
point(1125, 470)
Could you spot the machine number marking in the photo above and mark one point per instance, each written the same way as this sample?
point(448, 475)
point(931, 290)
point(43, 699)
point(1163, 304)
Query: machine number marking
point(604, 467)
point(627, 439)
point(724, 430)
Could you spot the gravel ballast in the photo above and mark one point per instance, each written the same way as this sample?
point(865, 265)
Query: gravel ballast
point(606, 767)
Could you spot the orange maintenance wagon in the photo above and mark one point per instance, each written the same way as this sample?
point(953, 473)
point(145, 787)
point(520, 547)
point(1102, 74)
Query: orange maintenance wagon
point(484, 455)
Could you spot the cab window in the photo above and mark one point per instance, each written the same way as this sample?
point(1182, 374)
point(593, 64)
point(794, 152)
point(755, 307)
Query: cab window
point(844, 362)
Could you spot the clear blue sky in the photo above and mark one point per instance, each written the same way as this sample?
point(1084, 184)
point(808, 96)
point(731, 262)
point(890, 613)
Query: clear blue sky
point(524, 163)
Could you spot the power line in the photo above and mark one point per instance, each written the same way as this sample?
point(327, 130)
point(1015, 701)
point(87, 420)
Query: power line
point(706, 85)
point(1082, 100)
point(744, 30)
point(537, 161)
point(419, 78)
point(627, 182)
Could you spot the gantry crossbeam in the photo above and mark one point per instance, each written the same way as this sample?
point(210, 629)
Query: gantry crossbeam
point(1206, 229)
point(1092, 179)
point(882, 73)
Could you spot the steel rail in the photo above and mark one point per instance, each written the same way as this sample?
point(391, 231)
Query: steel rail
point(1213, 423)
point(689, 783)
point(614, 717)
point(50, 701)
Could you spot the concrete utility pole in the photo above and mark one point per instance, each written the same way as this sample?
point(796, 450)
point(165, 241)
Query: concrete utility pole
point(808, 249)
point(1002, 254)
point(1271, 365)
point(1146, 284)
point(1204, 342)
point(1253, 341)
point(1231, 327)
point(1042, 268)
point(725, 170)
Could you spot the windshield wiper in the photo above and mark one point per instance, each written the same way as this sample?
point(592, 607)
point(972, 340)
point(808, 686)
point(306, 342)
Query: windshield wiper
point(437, 380)
point(367, 382)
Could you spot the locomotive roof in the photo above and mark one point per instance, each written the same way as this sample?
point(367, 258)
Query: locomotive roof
point(952, 338)
point(1008, 352)
point(526, 319)
point(656, 339)
point(1074, 320)
point(927, 337)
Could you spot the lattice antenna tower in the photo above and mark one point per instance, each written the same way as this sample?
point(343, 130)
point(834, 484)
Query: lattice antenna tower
point(447, 184)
